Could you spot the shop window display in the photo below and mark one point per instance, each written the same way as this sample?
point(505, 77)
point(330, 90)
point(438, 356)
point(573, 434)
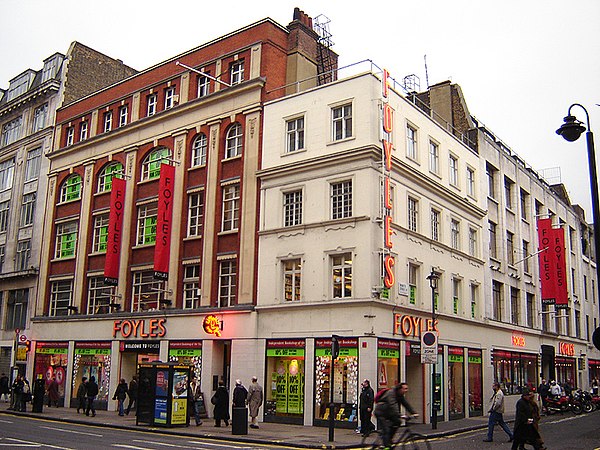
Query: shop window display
point(92, 359)
point(514, 370)
point(456, 382)
point(187, 353)
point(388, 357)
point(285, 381)
point(475, 383)
point(344, 380)
point(51, 361)
point(565, 371)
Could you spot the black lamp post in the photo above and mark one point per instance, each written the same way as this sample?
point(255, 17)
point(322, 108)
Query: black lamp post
point(433, 278)
point(571, 130)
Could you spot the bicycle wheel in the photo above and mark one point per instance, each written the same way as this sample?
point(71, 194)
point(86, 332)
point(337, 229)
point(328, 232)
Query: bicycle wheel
point(415, 441)
point(373, 441)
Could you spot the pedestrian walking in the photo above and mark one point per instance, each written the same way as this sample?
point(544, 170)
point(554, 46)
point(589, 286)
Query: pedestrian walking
point(17, 390)
point(255, 401)
point(221, 401)
point(27, 397)
point(133, 394)
point(496, 414)
point(595, 385)
point(525, 431)
point(555, 391)
point(366, 401)
point(82, 394)
point(195, 398)
point(544, 392)
point(92, 392)
point(240, 395)
point(4, 388)
point(120, 395)
point(53, 394)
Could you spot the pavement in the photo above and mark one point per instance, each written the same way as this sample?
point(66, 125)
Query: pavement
point(295, 436)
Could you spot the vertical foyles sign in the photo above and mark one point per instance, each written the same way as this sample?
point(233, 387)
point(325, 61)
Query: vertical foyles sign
point(552, 264)
point(164, 222)
point(388, 127)
point(115, 232)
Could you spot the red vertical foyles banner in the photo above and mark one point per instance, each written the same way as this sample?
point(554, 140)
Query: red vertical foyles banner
point(558, 248)
point(547, 261)
point(164, 222)
point(115, 232)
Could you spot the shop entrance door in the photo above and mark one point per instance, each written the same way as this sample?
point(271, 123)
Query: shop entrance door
point(548, 365)
point(221, 363)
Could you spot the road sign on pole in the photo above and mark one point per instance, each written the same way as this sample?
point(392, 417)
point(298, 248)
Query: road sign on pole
point(429, 347)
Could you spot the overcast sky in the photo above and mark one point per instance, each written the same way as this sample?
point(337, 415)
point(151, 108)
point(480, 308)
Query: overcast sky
point(520, 63)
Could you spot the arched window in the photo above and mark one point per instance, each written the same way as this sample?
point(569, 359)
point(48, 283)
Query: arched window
point(71, 189)
point(233, 141)
point(199, 150)
point(107, 174)
point(152, 162)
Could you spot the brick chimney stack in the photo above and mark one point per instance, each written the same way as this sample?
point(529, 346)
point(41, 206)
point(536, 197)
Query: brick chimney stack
point(302, 52)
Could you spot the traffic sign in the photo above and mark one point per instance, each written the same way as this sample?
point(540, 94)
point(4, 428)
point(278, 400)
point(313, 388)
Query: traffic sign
point(22, 338)
point(429, 347)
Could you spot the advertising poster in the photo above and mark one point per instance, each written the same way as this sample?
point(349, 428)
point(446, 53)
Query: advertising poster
point(295, 388)
point(162, 382)
point(179, 384)
point(160, 410)
point(179, 411)
point(281, 382)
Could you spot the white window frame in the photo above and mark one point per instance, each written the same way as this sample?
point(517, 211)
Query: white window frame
point(152, 162)
point(70, 136)
point(341, 122)
point(23, 255)
point(4, 215)
point(434, 157)
point(191, 286)
point(341, 199)
point(455, 234)
point(107, 174)
point(83, 130)
point(341, 273)
point(40, 115)
point(34, 161)
point(61, 298)
point(203, 86)
point(230, 218)
point(435, 216)
point(145, 292)
point(66, 239)
point(199, 150)
point(169, 97)
point(237, 72)
point(234, 141)
point(152, 102)
point(123, 113)
point(292, 280)
point(470, 182)
point(453, 170)
point(7, 171)
point(11, 131)
point(70, 189)
point(147, 219)
point(292, 208)
point(227, 283)
point(473, 244)
point(100, 236)
point(412, 146)
point(99, 296)
point(27, 209)
point(294, 129)
point(108, 121)
point(413, 214)
point(195, 213)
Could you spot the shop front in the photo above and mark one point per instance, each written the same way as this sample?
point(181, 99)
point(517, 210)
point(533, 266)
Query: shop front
point(566, 369)
point(514, 370)
point(284, 390)
point(594, 374)
point(388, 364)
point(456, 382)
point(187, 353)
point(475, 376)
point(134, 353)
point(51, 363)
point(92, 359)
point(342, 385)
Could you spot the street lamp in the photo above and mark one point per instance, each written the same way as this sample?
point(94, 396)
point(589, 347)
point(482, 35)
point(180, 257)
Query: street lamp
point(571, 130)
point(433, 278)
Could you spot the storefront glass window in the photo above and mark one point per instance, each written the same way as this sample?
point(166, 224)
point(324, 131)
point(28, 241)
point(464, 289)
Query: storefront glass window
point(51, 361)
point(514, 370)
point(92, 359)
point(345, 380)
point(388, 357)
point(565, 371)
point(284, 386)
point(594, 374)
point(475, 383)
point(188, 353)
point(456, 382)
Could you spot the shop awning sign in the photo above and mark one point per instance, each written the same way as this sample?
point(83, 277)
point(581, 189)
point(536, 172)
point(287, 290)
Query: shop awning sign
point(429, 347)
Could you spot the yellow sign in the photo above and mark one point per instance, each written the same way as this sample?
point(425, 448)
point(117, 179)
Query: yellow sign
point(179, 411)
point(212, 325)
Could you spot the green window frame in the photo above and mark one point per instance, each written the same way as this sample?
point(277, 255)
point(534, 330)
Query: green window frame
point(71, 189)
point(152, 163)
point(66, 240)
point(107, 174)
point(147, 220)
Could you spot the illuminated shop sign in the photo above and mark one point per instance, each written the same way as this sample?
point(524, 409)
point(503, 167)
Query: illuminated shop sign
point(388, 127)
point(518, 340)
point(212, 325)
point(388, 349)
point(185, 349)
point(139, 328)
point(565, 348)
point(412, 326)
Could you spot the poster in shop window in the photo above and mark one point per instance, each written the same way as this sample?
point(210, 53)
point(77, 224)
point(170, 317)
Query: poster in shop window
point(281, 382)
point(295, 387)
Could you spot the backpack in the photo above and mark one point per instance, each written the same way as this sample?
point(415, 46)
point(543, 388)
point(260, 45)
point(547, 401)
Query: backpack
point(380, 393)
point(381, 405)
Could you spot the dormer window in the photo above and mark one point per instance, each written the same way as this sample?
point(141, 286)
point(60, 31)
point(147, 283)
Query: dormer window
point(20, 85)
point(50, 67)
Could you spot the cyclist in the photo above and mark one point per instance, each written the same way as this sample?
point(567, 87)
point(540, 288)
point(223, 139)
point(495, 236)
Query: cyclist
point(388, 411)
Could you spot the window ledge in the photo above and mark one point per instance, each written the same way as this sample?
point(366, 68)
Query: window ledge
point(232, 158)
point(350, 138)
point(224, 233)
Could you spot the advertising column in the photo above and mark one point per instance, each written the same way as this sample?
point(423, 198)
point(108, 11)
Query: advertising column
point(284, 381)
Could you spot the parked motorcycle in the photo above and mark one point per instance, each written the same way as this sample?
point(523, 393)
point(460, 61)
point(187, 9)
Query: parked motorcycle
point(581, 401)
point(557, 404)
point(596, 401)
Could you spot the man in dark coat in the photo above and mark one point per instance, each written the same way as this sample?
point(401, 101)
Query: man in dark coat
point(221, 401)
point(367, 397)
point(133, 394)
point(525, 431)
point(92, 392)
point(4, 388)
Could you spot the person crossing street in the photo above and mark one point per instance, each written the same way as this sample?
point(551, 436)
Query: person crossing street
point(496, 414)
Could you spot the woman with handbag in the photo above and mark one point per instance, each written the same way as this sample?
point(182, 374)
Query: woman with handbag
point(221, 401)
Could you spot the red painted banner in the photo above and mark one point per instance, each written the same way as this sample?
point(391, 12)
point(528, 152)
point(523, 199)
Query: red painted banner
point(547, 261)
point(558, 248)
point(115, 232)
point(164, 221)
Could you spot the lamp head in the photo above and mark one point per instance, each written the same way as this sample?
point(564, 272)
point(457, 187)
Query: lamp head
point(571, 129)
point(433, 278)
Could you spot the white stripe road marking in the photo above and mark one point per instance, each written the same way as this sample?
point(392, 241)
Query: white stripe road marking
point(73, 431)
point(6, 421)
point(155, 443)
point(32, 444)
point(218, 445)
point(129, 446)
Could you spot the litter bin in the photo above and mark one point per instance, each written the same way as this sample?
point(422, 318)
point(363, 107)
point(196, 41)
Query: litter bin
point(239, 420)
point(39, 389)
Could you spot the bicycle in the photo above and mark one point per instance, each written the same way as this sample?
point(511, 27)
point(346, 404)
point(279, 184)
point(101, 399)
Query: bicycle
point(404, 438)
